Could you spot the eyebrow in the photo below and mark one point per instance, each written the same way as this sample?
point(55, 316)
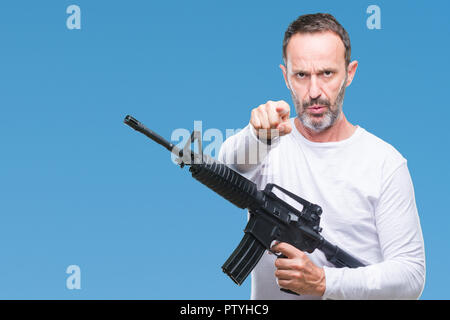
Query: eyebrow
point(321, 70)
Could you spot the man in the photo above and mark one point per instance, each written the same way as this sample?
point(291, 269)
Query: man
point(361, 182)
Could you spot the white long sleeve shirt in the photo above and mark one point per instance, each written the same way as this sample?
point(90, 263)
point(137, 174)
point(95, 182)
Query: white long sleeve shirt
point(365, 190)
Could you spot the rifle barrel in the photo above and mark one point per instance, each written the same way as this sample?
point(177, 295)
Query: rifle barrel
point(138, 126)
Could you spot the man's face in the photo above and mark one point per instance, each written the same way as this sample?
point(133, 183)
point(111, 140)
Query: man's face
point(316, 75)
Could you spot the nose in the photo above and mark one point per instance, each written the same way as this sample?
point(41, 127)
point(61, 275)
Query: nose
point(314, 88)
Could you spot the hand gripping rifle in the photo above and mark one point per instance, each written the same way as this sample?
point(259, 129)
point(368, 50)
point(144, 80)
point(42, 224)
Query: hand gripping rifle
point(271, 218)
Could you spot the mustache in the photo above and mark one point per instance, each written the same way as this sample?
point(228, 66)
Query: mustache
point(317, 101)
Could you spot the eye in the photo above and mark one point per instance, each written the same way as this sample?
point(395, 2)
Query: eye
point(301, 75)
point(328, 73)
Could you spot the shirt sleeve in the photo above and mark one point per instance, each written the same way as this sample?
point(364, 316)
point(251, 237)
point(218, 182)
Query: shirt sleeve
point(244, 152)
point(401, 274)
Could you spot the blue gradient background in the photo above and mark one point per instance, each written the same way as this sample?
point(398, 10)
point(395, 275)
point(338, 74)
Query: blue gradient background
point(77, 186)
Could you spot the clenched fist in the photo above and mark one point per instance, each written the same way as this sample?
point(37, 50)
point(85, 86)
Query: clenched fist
point(270, 119)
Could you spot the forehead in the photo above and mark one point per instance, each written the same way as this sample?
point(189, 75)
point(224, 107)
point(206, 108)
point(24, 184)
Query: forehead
point(318, 50)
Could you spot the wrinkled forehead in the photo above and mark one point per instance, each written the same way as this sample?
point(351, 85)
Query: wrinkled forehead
point(318, 50)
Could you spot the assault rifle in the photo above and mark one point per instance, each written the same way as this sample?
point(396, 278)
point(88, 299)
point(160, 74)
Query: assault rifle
point(271, 218)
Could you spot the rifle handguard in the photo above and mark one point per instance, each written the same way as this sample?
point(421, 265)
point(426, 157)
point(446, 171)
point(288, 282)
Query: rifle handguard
point(226, 182)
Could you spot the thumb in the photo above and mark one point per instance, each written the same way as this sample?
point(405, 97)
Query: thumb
point(285, 127)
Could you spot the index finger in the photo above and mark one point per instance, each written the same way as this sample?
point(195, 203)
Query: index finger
point(283, 111)
point(288, 250)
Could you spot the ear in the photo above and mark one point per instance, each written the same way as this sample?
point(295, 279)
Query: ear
point(351, 70)
point(283, 68)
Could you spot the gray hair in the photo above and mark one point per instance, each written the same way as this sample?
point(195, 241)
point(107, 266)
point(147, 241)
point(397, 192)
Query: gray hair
point(318, 22)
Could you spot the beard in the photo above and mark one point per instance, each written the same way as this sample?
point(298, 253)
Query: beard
point(323, 121)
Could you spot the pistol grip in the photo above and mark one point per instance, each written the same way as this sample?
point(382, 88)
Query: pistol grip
point(282, 289)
